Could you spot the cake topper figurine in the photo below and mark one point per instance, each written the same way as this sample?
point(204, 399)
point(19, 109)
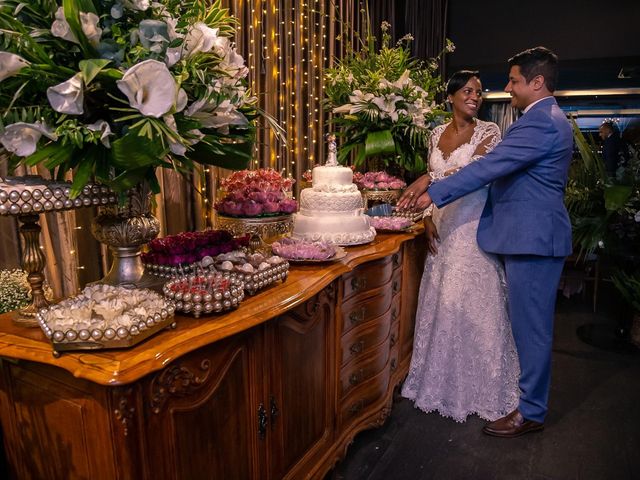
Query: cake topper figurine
point(332, 160)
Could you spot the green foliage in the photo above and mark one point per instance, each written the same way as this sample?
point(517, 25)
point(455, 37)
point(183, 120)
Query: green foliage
point(211, 120)
point(605, 212)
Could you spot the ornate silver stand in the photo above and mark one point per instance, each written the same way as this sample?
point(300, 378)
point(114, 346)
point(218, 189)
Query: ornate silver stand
point(125, 228)
point(26, 197)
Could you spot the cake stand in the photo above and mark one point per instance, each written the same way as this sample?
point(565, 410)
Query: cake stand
point(26, 198)
point(267, 229)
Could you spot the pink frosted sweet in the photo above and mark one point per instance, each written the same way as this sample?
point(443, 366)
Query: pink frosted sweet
point(288, 205)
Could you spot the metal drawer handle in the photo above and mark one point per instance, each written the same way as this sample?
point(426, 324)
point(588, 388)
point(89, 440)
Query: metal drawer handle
point(357, 316)
point(393, 339)
point(394, 364)
point(396, 286)
point(394, 314)
point(356, 377)
point(396, 260)
point(356, 407)
point(357, 347)
point(358, 283)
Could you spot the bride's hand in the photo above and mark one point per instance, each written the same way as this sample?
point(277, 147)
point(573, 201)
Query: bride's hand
point(409, 197)
point(431, 232)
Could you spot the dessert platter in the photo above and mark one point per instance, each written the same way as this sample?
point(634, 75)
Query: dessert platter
point(105, 316)
point(183, 253)
point(307, 251)
point(391, 224)
point(332, 209)
point(256, 270)
point(205, 293)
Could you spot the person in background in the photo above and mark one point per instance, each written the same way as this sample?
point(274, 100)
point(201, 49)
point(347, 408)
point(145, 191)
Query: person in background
point(612, 147)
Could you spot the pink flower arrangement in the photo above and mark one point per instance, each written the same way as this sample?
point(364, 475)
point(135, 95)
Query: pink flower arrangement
point(253, 193)
point(378, 181)
point(295, 249)
point(189, 247)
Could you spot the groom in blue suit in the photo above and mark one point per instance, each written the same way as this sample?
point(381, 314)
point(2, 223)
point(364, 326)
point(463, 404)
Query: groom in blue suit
point(524, 222)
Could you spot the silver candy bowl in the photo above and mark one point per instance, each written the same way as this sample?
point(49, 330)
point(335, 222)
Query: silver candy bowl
point(87, 338)
point(205, 293)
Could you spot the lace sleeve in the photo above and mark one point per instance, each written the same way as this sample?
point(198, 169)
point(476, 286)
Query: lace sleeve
point(488, 141)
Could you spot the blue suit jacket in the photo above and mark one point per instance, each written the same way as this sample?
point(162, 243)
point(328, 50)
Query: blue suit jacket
point(525, 212)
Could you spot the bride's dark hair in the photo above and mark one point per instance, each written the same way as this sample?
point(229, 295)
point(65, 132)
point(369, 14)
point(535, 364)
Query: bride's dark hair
point(460, 79)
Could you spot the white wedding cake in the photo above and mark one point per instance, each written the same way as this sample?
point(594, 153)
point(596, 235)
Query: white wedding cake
point(332, 210)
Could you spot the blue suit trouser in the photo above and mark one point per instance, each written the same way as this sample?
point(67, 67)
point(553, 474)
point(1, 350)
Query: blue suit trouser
point(532, 285)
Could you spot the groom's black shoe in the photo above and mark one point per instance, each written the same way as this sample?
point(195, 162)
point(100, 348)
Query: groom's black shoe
point(513, 425)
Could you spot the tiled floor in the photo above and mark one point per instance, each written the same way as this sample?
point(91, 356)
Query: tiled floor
point(592, 430)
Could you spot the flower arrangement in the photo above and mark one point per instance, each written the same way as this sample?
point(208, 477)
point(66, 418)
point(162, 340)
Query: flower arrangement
point(15, 291)
point(113, 89)
point(188, 247)
point(377, 181)
point(384, 103)
point(253, 193)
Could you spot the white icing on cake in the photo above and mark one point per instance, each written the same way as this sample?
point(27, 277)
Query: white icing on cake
point(310, 199)
point(331, 176)
point(332, 209)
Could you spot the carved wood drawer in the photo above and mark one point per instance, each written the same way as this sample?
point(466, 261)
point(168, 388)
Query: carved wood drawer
point(360, 311)
point(360, 340)
point(365, 394)
point(367, 277)
point(359, 372)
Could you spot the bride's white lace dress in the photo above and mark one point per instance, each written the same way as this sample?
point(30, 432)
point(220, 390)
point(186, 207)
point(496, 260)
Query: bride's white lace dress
point(464, 358)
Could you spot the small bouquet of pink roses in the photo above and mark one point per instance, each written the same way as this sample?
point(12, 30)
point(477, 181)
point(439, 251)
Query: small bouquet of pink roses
point(255, 193)
point(377, 181)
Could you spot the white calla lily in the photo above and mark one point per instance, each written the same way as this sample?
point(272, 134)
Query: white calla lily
point(89, 24)
point(150, 88)
point(67, 97)
point(10, 64)
point(60, 27)
point(103, 127)
point(22, 138)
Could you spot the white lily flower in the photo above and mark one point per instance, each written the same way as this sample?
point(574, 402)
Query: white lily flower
point(153, 35)
point(60, 27)
point(181, 100)
point(175, 147)
point(233, 64)
point(346, 108)
point(22, 138)
point(359, 97)
point(89, 24)
point(103, 127)
point(150, 88)
point(387, 105)
point(140, 5)
point(67, 97)
point(403, 80)
point(172, 56)
point(200, 38)
point(636, 217)
point(216, 116)
point(10, 64)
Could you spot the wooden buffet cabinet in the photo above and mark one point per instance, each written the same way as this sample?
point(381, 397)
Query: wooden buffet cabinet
point(276, 389)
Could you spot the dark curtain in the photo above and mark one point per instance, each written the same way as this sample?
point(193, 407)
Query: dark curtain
point(426, 20)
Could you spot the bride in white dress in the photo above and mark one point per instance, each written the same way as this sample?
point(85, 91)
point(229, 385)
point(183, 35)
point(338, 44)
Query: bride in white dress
point(464, 358)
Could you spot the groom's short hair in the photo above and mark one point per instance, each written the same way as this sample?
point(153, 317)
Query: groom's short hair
point(537, 61)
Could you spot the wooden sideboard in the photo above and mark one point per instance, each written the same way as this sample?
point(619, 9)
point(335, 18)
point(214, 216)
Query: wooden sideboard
point(275, 389)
